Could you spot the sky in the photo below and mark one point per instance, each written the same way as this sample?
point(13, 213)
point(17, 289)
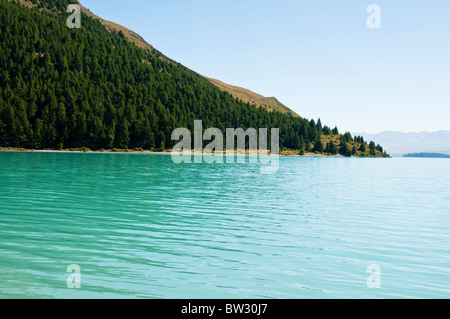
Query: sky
point(319, 57)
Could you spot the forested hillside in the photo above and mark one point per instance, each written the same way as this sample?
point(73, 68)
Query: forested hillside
point(89, 87)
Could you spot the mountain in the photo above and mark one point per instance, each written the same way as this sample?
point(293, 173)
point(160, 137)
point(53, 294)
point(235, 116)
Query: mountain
point(103, 86)
point(399, 143)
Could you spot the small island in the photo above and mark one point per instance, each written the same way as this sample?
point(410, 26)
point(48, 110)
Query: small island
point(427, 155)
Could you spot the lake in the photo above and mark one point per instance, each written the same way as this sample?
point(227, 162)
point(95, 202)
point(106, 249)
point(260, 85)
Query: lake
point(141, 226)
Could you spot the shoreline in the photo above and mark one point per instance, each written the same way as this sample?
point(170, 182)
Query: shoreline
point(148, 152)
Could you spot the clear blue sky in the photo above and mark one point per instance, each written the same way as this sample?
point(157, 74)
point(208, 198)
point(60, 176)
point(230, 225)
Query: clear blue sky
point(317, 57)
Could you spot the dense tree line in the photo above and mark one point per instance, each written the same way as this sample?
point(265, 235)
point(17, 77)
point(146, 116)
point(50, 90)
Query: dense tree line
point(88, 87)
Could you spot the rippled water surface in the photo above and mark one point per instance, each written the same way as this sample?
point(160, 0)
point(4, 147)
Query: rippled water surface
point(140, 226)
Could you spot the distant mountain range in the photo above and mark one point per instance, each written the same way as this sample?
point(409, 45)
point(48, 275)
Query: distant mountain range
point(399, 143)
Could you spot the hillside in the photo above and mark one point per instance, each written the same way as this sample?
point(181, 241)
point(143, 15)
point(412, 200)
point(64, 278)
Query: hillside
point(101, 86)
point(270, 103)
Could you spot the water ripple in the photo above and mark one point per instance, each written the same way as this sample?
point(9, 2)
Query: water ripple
point(143, 227)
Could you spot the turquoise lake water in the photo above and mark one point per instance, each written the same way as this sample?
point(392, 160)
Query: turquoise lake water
point(140, 226)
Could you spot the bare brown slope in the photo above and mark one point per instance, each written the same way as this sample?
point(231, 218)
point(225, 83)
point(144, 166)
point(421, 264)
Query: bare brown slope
point(111, 26)
point(245, 95)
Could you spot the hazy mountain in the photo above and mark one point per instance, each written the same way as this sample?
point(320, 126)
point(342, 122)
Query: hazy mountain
point(399, 143)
